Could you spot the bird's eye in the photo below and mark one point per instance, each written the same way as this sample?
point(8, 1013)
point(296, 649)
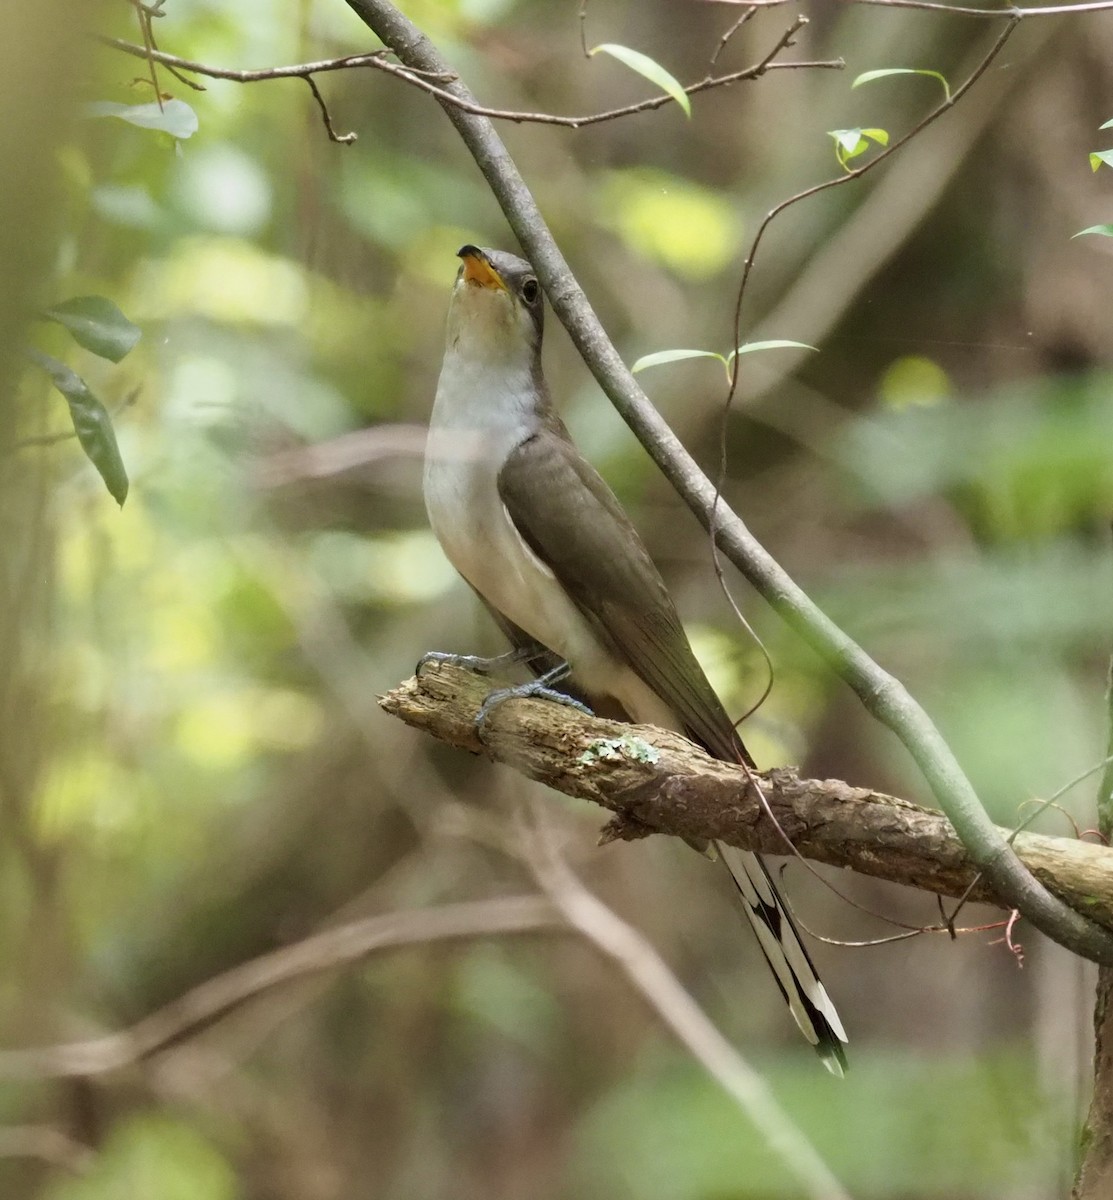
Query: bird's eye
point(530, 291)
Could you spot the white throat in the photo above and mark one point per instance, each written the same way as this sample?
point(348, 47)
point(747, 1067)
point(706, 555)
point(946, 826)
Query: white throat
point(485, 407)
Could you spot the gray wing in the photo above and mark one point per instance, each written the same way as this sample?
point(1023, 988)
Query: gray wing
point(574, 530)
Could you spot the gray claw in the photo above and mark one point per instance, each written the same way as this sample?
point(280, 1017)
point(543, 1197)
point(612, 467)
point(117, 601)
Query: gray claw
point(534, 690)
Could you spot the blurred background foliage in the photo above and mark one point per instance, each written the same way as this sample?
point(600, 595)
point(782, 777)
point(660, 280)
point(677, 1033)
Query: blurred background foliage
point(193, 768)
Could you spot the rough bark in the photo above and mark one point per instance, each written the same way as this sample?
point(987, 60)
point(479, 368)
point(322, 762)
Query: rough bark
point(654, 781)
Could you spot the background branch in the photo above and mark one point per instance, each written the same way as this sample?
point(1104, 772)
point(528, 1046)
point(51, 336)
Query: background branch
point(882, 694)
point(325, 951)
point(1005, 12)
point(674, 787)
point(1095, 1174)
point(650, 976)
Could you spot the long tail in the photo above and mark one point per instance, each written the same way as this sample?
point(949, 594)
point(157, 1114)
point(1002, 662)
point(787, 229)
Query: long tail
point(790, 963)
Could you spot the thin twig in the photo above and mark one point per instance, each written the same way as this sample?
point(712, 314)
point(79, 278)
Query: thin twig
point(344, 453)
point(341, 139)
point(751, 10)
point(1010, 12)
point(52, 439)
point(260, 75)
point(423, 81)
point(216, 997)
point(1041, 807)
point(48, 1145)
point(849, 176)
point(654, 102)
point(143, 15)
point(650, 976)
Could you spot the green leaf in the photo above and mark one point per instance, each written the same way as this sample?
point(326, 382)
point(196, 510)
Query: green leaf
point(91, 423)
point(849, 143)
point(648, 68)
point(1107, 125)
point(175, 117)
point(1097, 157)
point(1104, 230)
point(774, 344)
point(880, 136)
point(870, 76)
point(668, 356)
point(97, 325)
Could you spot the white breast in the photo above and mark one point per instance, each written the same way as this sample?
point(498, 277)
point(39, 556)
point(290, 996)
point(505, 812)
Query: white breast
point(479, 416)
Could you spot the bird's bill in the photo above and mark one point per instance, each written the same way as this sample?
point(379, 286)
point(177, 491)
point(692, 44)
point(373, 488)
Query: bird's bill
point(479, 271)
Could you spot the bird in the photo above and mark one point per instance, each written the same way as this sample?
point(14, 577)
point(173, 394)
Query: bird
point(540, 537)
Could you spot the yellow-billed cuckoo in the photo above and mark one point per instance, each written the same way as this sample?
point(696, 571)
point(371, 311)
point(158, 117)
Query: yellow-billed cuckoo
point(532, 527)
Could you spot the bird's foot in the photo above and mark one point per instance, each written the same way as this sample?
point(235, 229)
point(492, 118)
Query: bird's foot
point(474, 662)
point(536, 689)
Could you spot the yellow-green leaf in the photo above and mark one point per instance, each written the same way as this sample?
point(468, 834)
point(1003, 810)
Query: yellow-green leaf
point(667, 356)
point(773, 344)
point(870, 76)
point(649, 69)
point(848, 142)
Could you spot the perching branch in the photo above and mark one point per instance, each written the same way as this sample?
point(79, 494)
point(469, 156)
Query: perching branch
point(654, 781)
point(882, 695)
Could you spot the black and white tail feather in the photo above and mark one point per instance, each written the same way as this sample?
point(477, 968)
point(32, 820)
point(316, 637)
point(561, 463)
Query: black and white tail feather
point(789, 961)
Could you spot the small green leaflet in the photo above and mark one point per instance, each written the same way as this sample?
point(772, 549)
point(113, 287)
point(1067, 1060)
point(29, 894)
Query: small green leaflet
point(649, 69)
point(775, 344)
point(175, 117)
point(96, 324)
point(668, 356)
point(870, 76)
point(91, 423)
point(1103, 230)
point(849, 143)
point(1097, 157)
point(1107, 125)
